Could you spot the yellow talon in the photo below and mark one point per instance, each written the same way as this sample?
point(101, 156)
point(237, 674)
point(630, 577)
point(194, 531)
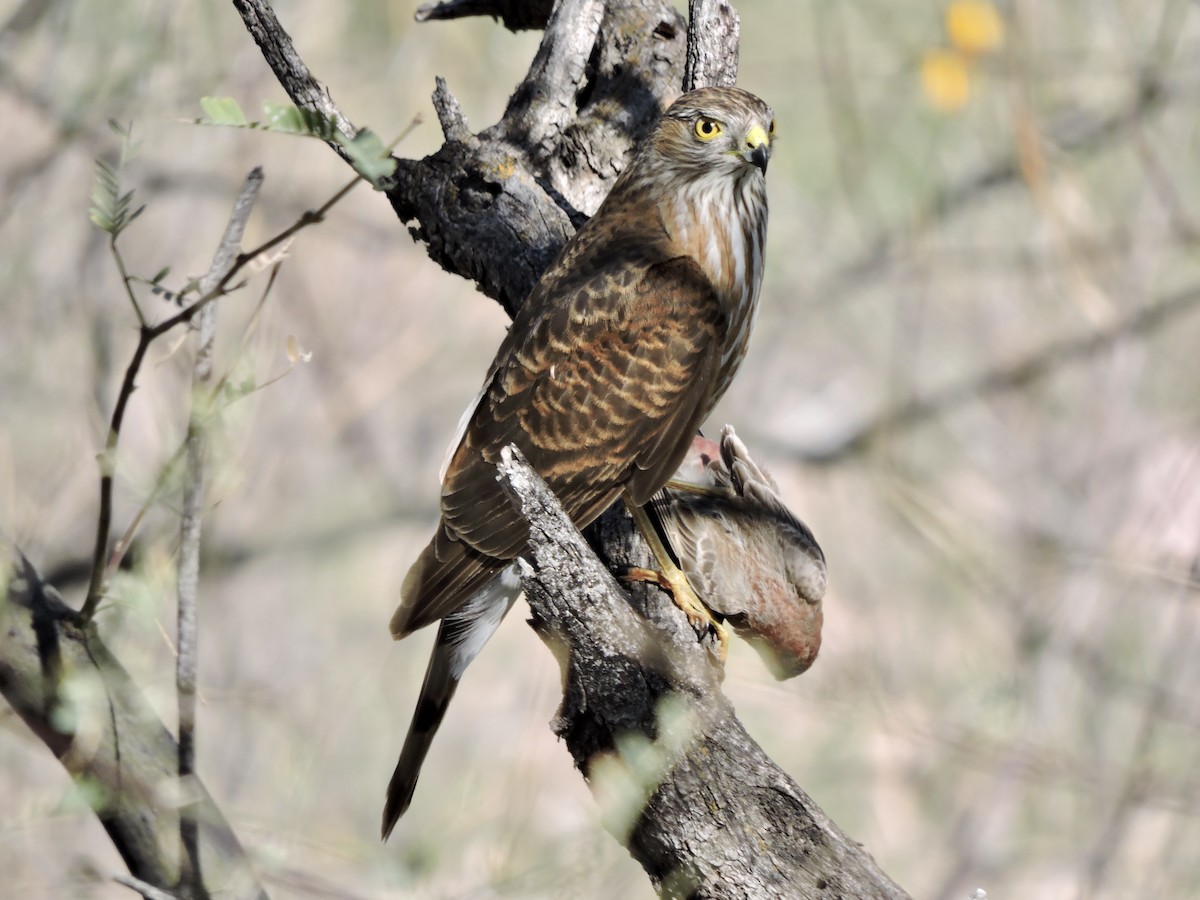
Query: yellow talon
point(672, 579)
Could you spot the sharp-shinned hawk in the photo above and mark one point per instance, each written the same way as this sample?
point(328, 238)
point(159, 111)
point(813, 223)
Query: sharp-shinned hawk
point(610, 366)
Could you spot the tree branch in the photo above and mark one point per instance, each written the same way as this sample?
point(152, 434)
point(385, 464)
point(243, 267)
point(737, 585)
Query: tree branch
point(291, 72)
point(517, 15)
point(716, 818)
point(1005, 377)
point(191, 516)
point(714, 31)
point(513, 209)
point(74, 695)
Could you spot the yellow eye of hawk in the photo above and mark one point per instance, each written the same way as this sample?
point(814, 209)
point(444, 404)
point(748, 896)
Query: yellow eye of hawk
point(707, 129)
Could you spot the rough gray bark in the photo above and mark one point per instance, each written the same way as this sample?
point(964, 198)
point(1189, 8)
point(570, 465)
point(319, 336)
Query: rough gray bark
point(722, 820)
point(497, 206)
point(59, 677)
point(712, 60)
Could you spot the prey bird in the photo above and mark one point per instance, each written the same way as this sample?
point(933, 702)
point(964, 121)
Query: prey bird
point(611, 364)
point(748, 557)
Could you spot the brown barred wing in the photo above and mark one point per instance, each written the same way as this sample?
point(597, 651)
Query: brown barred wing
point(600, 392)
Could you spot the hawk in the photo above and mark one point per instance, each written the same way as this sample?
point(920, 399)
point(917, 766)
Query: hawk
point(609, 368)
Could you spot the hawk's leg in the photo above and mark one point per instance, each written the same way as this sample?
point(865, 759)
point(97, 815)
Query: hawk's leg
point(672, 579)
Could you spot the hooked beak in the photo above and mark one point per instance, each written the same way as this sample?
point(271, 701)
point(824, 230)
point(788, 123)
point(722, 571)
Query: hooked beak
point(757, 150)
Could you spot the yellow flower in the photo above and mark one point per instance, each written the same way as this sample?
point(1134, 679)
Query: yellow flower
point(946, 80)
point(974, 27)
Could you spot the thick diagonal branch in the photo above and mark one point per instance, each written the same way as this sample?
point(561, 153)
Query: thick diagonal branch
point(750, 830)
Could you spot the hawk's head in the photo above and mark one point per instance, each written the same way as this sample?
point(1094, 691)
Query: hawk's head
point(717, 130)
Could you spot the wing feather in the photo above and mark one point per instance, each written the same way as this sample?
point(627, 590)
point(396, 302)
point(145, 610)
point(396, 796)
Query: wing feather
point(601, 390)
point(606, 390)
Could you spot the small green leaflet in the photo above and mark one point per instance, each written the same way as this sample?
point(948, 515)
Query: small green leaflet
point(110, 209)
point(365, 150)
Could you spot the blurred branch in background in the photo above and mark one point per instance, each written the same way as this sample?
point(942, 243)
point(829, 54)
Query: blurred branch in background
point(184, 866)
point(1006, 377)
point(190, 525)
point(76, 697)
point(1074, 133)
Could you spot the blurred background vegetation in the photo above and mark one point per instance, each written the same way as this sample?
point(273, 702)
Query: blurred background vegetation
point(1005, 694)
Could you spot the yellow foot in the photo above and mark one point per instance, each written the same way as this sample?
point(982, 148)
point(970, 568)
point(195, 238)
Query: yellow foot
point(674, 582)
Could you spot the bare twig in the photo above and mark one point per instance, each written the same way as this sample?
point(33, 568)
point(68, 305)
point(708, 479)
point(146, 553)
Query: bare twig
point(126, 280)
point(102, 565)
point(125, 541)
point(164, 476)
point(108, 464)
point(192, 514)
point(149, 891)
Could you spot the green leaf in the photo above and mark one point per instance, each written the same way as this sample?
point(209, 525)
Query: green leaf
point(369, 156)
point(109, 210)
point(223, 111)
point(103, 211)
point(287, 119)
point(365, 150)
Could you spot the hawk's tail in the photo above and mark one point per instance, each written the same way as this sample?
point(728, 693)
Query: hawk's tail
point(444, 578)
point(460, 637)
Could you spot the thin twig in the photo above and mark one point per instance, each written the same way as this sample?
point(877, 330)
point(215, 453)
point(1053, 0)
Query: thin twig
point(127, 280)
point(149, 891)
point(126, 539)
point(164, 475)
point(191, 515)
point(108, 464)
point(102, 565)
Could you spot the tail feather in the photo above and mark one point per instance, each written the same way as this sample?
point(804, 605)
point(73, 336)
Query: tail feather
point(436, 693)
point(446, 571)
point(460, 637)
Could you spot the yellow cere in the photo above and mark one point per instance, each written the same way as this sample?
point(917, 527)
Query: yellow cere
point(757, 137)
